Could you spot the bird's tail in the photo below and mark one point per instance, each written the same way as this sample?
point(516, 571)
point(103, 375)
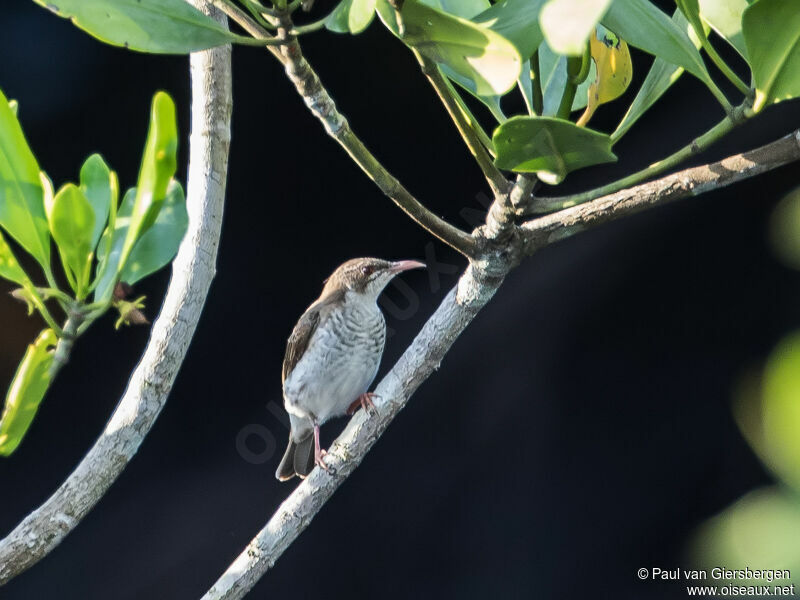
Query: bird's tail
point(298, 459)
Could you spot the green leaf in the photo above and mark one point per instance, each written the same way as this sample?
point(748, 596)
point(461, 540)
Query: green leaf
point(549, 147)
point(567, 24)
point(781, 410)
point(553, 69)
point(21, 208)
point(771, 30)
point(488, 60)
point(466, 9)
point(26, 391)
point(71, 221)
point(14, 106)
point(517, 21)
point(725, 17)
point(351, 16)
point(642, 25)
point(99, 186)
point(156, 248)
point(9, 267)
point(156, 26)
point(490, 102)
point(660, 77)
point(109, 251)
point(158, 166)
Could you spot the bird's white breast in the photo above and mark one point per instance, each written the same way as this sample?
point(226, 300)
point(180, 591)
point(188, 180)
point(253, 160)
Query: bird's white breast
point(340, 363)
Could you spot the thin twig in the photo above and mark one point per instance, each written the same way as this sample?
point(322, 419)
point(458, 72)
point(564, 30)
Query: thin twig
point(444, 90)
point(689, 182)
point(193, 269)
point(699, 144)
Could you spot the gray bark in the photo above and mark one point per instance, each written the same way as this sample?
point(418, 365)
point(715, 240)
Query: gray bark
point(192, 272)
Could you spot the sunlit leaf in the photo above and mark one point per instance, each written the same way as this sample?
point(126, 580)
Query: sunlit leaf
point(21, 205)
point(549, 147)
point(26, 392)
point(99, 186)
point(9, 267)
point(476, 53)
point(351, 16)
point(567, 24)
point(614, 71)
point(465, 9)
point(517, 21)
point(157, 26)
point(725, 17)
point(71, 221)
point(771, 30)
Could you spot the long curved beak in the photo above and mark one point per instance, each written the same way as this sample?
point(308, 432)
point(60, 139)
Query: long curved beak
point(405, 265)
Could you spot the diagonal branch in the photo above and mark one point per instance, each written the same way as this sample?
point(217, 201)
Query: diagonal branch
point(543, 231)
point(421, 359)
point(192, 271)
point(322, 106)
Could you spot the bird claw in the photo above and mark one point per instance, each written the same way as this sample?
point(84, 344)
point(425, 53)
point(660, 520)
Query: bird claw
point(318, 459)
point(363, 401)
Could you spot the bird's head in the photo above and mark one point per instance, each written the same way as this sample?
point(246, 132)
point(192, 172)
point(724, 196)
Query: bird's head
point(367, 276)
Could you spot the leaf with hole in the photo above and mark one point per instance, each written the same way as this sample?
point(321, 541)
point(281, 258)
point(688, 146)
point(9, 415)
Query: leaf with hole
point(614, 71)
point(771, 30)
point(156, 26)
point(21, 196)
point(549, 147)
point(26, 392)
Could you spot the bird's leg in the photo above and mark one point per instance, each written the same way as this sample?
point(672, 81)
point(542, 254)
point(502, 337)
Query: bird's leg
point(363, 401)
point(319, 453)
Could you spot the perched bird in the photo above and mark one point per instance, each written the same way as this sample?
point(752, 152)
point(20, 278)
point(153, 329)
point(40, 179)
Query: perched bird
point(332, 357)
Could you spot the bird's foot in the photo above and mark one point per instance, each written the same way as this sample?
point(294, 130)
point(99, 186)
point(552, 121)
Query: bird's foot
point(318, 456)
point(363, 401)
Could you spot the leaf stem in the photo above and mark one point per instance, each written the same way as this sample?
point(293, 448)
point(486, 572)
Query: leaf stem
point(310, 27)
point(536, 83)
point(447, 95)
point(722, 65)
point(735, 117)
point(574, 67)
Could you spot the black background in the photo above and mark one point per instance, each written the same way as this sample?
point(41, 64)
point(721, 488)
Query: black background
point(579, 429)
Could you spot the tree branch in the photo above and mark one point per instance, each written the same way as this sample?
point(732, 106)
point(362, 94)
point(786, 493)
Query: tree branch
point(192, 272)
point(545, 230)
point(322, 106)
point(422, 358)
point(447, 95)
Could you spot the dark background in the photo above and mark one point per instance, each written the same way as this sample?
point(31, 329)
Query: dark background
point(579, 429)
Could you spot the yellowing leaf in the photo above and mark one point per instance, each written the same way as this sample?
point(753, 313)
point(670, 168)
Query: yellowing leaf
point(614, 71)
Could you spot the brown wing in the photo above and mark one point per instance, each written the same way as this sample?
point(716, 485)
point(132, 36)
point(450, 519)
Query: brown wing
point(305, 328)
point(298, 341)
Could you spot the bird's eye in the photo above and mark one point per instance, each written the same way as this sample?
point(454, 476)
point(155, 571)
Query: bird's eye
point(367, 270)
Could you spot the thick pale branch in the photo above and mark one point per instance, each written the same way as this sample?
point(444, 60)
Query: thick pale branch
point(540, 232)
point(417, 363)
point(192, 272)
